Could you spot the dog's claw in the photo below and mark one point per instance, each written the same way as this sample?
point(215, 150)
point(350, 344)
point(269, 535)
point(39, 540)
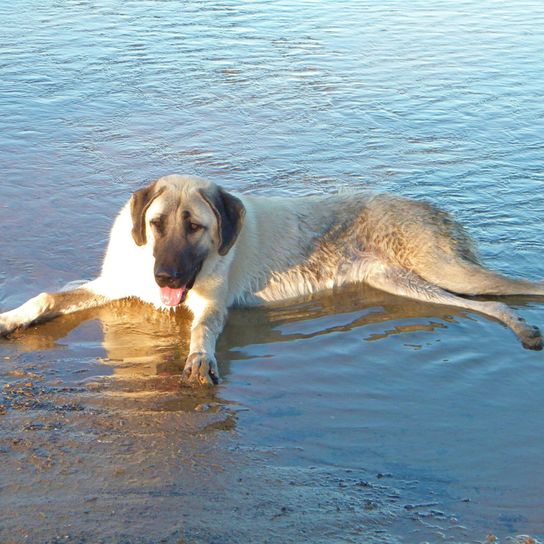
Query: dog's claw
point(200, 369)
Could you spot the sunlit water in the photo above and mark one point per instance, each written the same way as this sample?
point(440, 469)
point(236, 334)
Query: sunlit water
point(435, 100)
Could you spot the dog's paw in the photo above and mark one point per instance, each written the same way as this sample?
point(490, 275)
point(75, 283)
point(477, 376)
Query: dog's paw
point(200, 369)
point(531, 338)
point(529, 335)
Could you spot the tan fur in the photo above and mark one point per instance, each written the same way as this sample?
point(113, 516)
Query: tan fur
point(283, 248)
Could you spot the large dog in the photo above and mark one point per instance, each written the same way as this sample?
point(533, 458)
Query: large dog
point(185, 240)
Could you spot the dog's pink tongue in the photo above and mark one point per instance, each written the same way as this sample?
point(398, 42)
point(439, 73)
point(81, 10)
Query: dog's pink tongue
point(171, 297)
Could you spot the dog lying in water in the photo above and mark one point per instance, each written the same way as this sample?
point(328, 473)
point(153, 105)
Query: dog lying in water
point(185, 240)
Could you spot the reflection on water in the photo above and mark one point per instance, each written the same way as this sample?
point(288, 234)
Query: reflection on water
point(141, 342)
point(440, 100)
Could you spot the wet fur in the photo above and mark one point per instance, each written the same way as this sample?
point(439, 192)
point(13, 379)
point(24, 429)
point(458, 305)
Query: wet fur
point(260, 249)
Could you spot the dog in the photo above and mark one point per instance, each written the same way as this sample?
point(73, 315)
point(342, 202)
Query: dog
point(185, 240)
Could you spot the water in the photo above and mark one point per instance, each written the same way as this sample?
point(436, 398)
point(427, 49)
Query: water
point(436, 100)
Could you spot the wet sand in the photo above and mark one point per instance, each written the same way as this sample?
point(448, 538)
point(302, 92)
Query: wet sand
point(162, 469)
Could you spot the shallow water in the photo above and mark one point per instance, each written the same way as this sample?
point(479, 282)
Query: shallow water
point(352, 417)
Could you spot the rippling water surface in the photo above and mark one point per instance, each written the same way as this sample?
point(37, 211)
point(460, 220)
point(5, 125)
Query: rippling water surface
point(353, 417)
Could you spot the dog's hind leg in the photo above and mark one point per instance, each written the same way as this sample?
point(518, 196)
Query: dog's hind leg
point(402, 282)
point(47, 306)
point(466, 278)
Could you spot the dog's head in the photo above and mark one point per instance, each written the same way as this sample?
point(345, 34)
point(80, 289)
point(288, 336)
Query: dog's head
point(187, 220)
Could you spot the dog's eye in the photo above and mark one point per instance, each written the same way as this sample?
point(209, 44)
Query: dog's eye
point(156, 223)
point(194, 227)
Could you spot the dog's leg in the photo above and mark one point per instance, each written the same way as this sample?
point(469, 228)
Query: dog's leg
point(208, 322)
point(402, 282)
point(465, 278)
point(47, 306)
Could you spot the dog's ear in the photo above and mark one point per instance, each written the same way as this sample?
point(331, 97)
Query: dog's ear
point(140, 201)
point(229, 212)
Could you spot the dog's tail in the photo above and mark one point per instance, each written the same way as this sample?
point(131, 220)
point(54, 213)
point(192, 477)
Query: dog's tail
point(467, 278)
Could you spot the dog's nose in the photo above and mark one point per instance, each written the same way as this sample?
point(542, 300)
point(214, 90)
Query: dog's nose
point(165, 278)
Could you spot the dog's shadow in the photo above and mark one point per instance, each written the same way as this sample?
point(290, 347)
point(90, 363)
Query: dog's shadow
point(140, 341)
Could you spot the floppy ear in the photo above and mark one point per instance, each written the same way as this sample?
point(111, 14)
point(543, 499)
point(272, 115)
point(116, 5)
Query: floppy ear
point(140, 201)
point(229, 212)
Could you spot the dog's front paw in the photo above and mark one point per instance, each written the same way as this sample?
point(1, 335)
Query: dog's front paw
point(200, 369)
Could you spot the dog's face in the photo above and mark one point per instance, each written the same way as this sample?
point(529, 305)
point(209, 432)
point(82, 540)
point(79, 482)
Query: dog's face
point(187, 220)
